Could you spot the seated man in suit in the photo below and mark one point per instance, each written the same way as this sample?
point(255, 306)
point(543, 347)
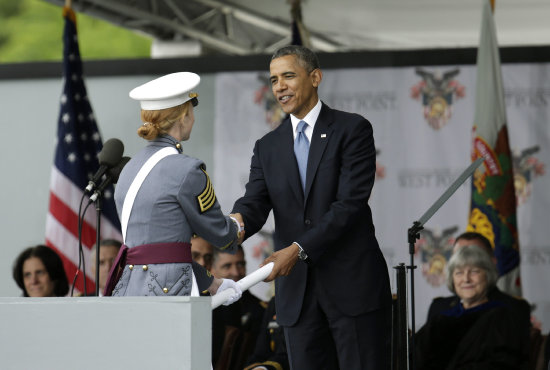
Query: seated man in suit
point(202, 252)
point(235, 327)
point(108, 250)
point(270, 351)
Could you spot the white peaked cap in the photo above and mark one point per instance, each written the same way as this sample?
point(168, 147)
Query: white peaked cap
point(166, 91)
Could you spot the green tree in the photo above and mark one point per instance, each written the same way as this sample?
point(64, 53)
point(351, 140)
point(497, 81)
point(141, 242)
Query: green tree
point(32, 30)
point(8, 8)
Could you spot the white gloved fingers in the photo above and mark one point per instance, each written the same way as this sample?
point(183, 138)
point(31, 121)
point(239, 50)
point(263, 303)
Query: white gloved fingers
point(230, 284)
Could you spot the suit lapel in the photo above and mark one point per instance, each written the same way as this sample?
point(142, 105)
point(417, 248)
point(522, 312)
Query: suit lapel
point(319, 140)
point(288, 159)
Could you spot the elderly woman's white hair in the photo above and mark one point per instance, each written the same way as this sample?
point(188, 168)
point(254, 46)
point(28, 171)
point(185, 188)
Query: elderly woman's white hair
point(472, 255)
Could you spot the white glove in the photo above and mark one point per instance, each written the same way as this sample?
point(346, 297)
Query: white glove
point(230, 284)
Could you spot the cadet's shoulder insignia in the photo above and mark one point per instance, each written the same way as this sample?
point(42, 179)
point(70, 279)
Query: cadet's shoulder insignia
point(206, 198)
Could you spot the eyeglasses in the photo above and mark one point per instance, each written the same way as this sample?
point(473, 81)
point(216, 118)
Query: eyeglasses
point(195, 102)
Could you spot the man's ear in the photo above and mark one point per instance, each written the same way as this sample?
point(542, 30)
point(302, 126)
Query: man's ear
point(316, 77)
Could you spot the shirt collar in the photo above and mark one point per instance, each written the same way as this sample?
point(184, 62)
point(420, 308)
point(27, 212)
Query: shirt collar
point(310, 118)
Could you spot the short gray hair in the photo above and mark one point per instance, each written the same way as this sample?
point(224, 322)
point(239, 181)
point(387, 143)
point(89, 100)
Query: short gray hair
point(472, 255)
point(307, 58)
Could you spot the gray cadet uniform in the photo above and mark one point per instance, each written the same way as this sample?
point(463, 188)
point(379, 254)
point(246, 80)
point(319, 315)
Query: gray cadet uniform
point(171, 205)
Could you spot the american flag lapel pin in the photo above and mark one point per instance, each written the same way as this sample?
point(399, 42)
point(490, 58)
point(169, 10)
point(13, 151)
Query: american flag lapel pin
point(323, 136)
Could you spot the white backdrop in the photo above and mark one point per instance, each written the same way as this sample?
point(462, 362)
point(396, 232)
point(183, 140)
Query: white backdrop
point(416, 161)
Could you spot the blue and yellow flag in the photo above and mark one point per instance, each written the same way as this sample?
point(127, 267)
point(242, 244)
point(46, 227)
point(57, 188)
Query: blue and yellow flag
point(493, 203)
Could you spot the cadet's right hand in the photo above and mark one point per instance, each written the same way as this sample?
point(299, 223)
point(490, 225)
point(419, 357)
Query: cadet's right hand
point(230, 284)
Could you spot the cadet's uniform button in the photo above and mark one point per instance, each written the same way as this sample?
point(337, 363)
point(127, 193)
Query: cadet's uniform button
point(131, 267)
point(165, 290)
point(145, 267)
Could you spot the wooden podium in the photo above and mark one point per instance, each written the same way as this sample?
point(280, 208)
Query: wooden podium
point(99, 333)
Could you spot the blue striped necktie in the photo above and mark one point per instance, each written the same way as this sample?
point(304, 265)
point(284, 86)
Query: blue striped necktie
point(301, 150)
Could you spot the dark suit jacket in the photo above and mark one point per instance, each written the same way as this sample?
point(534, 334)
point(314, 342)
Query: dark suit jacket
point(331, 220)
point(235, 329)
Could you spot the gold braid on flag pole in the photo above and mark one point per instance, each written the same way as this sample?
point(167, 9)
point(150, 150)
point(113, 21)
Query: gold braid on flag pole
point(492, 5)
point(69, 12)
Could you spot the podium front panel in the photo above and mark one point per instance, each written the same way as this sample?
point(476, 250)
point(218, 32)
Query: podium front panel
point(105, 333)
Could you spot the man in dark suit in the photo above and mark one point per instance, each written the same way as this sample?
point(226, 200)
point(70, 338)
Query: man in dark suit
point(332, 287)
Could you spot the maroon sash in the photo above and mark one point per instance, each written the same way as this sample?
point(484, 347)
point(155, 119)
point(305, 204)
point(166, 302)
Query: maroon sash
point(146, 254)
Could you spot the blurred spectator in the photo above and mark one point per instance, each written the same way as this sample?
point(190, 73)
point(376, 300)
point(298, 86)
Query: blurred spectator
point(39, 272)
point(229, 266)
point(202, 252)
point(108, 250)
point(235, 327)
point(270, 350)
point(473, 238)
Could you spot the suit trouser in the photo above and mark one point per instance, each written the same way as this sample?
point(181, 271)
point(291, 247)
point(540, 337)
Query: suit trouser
point(324, 338)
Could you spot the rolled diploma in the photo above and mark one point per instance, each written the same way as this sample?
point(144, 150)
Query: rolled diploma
point(245, 283)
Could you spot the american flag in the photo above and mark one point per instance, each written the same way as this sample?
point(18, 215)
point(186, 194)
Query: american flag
point(78, 143)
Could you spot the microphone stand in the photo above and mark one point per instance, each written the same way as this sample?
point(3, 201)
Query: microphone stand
point(414, 233)
point(97, 243)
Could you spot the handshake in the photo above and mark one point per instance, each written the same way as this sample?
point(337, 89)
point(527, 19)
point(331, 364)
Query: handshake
point(238, 219)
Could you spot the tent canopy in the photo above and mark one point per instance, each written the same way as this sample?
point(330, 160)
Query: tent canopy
point(243, 27)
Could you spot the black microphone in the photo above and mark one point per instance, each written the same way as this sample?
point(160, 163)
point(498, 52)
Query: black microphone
point(109, 157)
point(110, 178)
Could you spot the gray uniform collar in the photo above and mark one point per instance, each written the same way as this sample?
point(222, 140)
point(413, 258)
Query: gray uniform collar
point(166, 140)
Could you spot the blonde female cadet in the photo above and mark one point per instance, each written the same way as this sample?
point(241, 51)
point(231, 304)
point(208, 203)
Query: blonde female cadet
point(164, 197)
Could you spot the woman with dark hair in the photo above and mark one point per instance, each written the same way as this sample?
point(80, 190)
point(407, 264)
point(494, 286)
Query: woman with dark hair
point(39, 272)
point(474, 332)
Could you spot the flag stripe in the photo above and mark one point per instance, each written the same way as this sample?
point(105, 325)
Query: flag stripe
point(64, 189)
point(66, 243)
point(70, 270)
point(69, 220)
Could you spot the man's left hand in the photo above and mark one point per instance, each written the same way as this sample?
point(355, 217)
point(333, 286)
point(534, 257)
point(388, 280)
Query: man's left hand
point(283, 260)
